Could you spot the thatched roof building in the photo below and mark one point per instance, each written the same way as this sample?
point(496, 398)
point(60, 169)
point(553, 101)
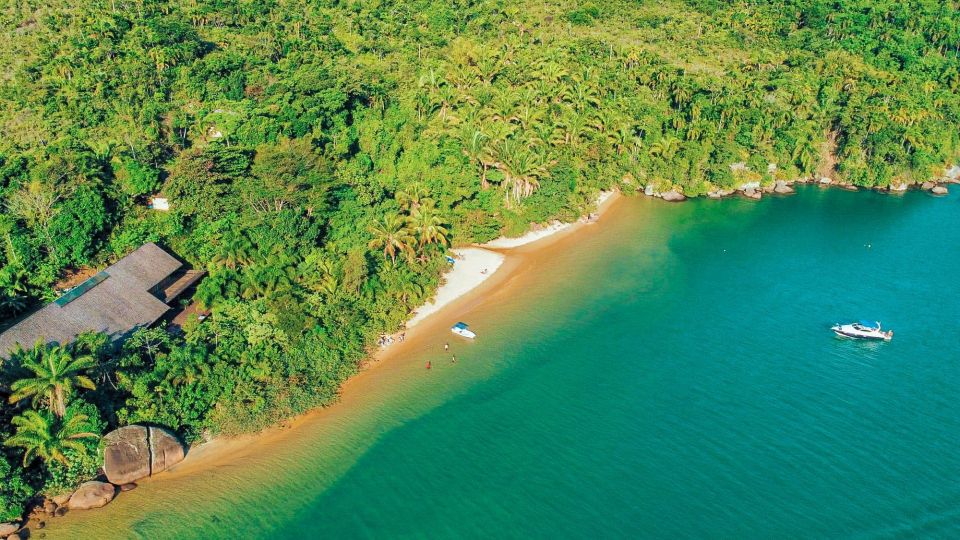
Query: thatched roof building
point(130, 294)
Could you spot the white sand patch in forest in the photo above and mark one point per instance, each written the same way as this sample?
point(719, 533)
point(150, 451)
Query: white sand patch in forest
point(473, 266)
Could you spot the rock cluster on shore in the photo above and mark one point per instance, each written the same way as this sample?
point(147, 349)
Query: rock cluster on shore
point(130, 453)
point(755, 190)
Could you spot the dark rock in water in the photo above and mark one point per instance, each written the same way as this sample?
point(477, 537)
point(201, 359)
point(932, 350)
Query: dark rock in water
point(6, 529)
point(135, 452)
point(41, 524)
point(92, 494)
point(939, 190)
point(673, 196)
point(62, 511)
point(128, 487)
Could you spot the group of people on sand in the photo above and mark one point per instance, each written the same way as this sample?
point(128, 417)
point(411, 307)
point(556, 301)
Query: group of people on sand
point(386, 341)
point(453, 358)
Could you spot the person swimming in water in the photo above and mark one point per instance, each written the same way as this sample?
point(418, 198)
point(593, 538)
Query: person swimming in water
point(446, 346)
point(428, 364)
point(453, 359)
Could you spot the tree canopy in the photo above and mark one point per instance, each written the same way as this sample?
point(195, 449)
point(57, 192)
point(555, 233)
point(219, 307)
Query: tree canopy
point(319, 157)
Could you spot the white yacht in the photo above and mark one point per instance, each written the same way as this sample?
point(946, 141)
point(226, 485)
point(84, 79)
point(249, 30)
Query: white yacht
point(862, 330)
point(461, 329)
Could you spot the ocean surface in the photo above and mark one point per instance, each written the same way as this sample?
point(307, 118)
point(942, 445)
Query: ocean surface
point(669, 373)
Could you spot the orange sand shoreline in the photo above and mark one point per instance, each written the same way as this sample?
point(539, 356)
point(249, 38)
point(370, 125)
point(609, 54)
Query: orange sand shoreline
point(226, 452)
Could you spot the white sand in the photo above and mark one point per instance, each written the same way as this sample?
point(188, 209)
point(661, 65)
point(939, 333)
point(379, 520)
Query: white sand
point(468, 272)
point(506, 243)
point(473, 267)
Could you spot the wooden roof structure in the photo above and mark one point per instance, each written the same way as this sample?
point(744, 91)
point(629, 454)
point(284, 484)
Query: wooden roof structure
point(130, 294)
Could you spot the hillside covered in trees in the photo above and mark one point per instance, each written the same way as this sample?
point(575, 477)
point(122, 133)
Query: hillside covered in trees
point(319, 157)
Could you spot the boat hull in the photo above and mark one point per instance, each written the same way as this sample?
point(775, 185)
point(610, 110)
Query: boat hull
point(853, 336)
point(850, 331)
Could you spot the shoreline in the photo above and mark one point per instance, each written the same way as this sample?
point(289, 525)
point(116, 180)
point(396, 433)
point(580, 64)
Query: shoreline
point(223, 457)
point(462, 290)
point(477, 263)
point(425, 322)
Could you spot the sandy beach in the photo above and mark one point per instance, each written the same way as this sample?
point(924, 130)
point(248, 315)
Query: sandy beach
point(465, 288)
point(474, 265)
point(471, 267)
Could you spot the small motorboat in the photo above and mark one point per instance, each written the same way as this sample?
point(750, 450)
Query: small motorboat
point(461, 329)
point(862, 330)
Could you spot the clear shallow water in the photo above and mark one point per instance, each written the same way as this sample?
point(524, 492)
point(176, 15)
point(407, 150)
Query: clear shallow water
point(671, 374)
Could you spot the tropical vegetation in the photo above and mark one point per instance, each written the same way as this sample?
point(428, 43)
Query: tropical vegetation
point(321, 157)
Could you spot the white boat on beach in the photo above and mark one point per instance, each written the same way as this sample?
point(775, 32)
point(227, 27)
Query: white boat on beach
point(461, 329)
point(862, 330)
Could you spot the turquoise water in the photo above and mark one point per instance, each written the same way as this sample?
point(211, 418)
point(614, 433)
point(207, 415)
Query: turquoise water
point(698, 391)
point(669, 376)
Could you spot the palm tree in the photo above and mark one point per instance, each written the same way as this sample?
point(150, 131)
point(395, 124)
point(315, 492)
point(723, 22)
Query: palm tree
point(665, 147)
point(522, 169)
point(475, 148)
point(411, 197)
point(56, 375)
point(428, 225)
point(236, 250)
point(265, 280)
point(409, 290)
point(41, 434)
point(391, 234)
point(12, 303)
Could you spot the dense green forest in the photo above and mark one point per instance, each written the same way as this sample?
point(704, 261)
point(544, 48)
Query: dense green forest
point(320, 156)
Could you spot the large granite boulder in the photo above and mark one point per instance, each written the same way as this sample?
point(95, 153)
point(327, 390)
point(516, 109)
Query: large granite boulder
point(927, 186)
point(91, 494)
point(165, 450)
point(782, 187)
point(939, 190)
point(135, 452)
point(720, 193)
point(6, 529)
point(62, 498)
point(126, 454)
point(898, 186)
point(673, 196)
